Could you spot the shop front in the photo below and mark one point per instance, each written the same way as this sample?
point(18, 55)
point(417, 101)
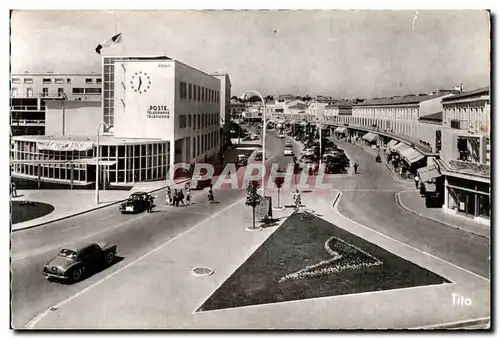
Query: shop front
point(468, 198)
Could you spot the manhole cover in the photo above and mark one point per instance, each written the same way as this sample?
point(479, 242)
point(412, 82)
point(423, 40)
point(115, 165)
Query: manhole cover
point(202, 271)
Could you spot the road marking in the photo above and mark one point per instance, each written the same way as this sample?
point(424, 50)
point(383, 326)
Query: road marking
point(39, 317)
point(335, 208)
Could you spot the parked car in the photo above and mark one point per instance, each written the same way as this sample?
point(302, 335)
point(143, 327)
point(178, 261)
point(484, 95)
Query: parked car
point(241, 160)
point(137, 202)
point(199, 182)
point(73, 261)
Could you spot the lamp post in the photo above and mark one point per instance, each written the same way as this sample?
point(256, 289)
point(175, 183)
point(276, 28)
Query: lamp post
point(98, 153)
point(263, 137)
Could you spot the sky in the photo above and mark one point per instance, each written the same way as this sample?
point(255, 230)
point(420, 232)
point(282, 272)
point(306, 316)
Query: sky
point(345, 54)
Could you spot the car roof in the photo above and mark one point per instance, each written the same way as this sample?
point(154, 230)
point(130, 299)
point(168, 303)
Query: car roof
point(78, 246)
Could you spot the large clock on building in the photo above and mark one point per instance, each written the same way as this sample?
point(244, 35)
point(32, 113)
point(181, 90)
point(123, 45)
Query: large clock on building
point(140, 82)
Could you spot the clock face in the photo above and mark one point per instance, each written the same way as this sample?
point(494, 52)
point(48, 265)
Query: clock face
point(140, 82)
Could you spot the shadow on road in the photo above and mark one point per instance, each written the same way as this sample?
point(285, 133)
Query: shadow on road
point(89, 272)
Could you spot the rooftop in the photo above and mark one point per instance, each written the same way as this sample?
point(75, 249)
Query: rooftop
point(409, 99)
point(479, 91)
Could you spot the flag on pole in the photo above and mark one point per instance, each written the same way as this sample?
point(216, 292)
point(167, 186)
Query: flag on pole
point(113, 40)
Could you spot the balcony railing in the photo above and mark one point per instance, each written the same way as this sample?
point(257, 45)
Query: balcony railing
point(38, 95)
point(467, 167)
point(25, 108)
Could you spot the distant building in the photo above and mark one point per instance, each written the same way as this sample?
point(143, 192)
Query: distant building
point(225, 102)
point(29, 93)
point(236, 107)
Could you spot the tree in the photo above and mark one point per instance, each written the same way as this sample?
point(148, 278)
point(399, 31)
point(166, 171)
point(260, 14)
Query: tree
point(253, 198)
point(278, 182)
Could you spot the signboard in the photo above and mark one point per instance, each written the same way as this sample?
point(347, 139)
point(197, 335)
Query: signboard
point(158, 112)
point(462, 206)
point(263, 209)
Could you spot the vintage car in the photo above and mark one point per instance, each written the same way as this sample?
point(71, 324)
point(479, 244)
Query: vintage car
point(137, 202)
point(199, 182)
point(73, 261)
point(241, 160)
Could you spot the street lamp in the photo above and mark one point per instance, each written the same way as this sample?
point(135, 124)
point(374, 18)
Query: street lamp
point(263, 137)
point(98, 153)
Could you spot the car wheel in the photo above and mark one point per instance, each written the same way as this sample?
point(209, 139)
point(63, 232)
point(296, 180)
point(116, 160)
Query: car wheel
point(110, 257)
point(77, 273)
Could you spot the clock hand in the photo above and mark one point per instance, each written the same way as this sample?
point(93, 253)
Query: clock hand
point(140, 83)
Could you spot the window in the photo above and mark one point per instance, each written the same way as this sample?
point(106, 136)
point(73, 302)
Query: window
point(59, 81)
point(199, 121)
point(78, 90)
point(93, 90)
point(29, 92)
point(199, 92)
point(45, 91)
point(190, 91)
point(189, 120)
point(182, 121)
point(194, 93)
point(16, 80)
point(14, 92)
point(203, 94)
point(183, 90)
point(60, 91)
point(89, 81)
point(194, 121)
point(98, 81)
point(68, 80)
point(217, 96)
point(47, 80)
point(28, 80)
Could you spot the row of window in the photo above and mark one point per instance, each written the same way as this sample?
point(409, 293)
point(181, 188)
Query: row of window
point(56, 80)
point(198, 120)
point(198, 93)
point(60, 91)
point(203, 143)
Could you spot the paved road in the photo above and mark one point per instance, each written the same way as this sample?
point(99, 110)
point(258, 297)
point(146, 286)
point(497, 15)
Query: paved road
point(134, 235)
point(374, 189)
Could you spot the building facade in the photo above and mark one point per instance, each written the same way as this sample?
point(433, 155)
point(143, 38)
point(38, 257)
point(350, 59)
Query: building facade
point(465, 160)
point(236, 108)
point(30, 92)
point(225, 102)
point(156, 111)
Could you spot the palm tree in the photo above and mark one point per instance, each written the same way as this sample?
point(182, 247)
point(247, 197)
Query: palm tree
point(253, 199)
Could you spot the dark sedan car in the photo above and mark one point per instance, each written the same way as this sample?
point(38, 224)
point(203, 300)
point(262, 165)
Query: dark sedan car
point(137, 202)
point(71, 262)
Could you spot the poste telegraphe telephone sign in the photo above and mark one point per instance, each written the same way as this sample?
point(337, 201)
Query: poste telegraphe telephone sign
point(158, 112)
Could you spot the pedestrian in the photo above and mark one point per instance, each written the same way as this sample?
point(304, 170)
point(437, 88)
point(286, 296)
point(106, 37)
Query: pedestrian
point(422, 189)
point(14, 190)
point(210, 195)
point(416, 182)
point(181, 197)
point(175, 198)
point(356, 165)
point(149, 199)
point(188, 196)
point(168, 197)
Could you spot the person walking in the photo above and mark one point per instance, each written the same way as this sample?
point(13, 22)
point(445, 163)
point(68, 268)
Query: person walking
point(150, 203)
point(13, 190)
point(188, 196)
point(175, 199)
point(168, 197)
point(210, 195)
point(181, 197)
point(356, 165)
point(416, 182)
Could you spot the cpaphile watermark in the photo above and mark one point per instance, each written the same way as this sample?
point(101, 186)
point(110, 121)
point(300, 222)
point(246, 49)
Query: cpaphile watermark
point(460, 300)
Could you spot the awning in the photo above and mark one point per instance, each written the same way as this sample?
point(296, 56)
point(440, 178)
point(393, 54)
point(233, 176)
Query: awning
point(391, 144)
point(413, 156)
point(401, 147)
point(64, 145)
point(428, 173)
point(370, 137)
point(430, 187)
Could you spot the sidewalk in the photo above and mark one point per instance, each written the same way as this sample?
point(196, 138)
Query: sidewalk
point(412, 202)
point(68, 203)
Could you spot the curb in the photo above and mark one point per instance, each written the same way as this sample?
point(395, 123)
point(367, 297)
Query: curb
point(87, 211)
point(407, 209)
